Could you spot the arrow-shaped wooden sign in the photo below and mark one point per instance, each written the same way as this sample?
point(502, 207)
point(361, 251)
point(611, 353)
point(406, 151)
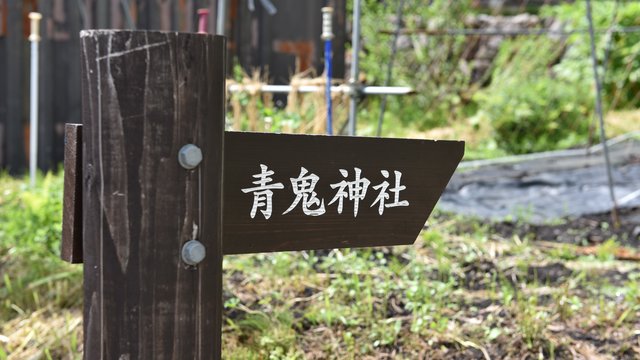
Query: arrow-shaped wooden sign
point(303, 192)
point(156, 192)
point(300, 192)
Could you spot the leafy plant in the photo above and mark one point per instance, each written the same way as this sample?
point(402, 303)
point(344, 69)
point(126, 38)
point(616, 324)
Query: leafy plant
point(431, 65)
point(530, 106)
point(617, 52)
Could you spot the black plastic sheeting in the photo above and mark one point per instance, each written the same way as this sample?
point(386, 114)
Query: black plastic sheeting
point(541, 188)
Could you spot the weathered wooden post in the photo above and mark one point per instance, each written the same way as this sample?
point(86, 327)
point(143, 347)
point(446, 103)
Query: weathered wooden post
point(145, 96)
point(154, 160)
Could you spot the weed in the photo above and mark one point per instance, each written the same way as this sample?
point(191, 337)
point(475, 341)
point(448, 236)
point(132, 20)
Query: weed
point(607, 250)
point(343, 304)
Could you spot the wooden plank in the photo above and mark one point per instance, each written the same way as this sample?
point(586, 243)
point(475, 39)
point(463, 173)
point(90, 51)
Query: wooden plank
point(151, 15)
point(426, 167)
point(102, 13)
point(46, 132)
point(3, 103)
point(65, 60)
point(71, 247)
point(290, 35)
point(340, 33)
point(16, 157)
point(145, 95)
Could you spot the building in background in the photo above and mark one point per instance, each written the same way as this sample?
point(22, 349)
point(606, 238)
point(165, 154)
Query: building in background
point(277, 45)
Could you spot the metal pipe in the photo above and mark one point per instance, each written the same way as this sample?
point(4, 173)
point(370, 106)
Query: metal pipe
point(603, 136)
point(387, 90)
point(203, 16)
point(355, 67)
point(344, 89)
point(124, 4)
point(268, 5)
point(34, 38)
point(327, 36)
point(221, 16)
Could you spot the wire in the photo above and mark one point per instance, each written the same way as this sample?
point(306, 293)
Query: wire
point(603, 136)
point(605, 60)
point(394, 51)
point(534, 32)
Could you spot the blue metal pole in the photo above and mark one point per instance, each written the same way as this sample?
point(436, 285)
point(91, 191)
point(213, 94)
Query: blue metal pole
point(329, 67)
point(327, 36)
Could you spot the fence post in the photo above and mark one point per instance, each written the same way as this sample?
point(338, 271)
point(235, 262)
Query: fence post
point(145, 95)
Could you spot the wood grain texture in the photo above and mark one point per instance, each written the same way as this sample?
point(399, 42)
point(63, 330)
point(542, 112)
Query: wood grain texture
point(65, 80)
point(71, 246)
point(46, 120)
point(145, 95)
point(426, 168)
point(16, 157)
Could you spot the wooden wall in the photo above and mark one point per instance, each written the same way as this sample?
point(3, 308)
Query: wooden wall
point(280, 44)
point(260, 41)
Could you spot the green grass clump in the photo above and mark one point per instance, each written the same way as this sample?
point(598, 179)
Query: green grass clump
point(33, 279)
point(462, 290)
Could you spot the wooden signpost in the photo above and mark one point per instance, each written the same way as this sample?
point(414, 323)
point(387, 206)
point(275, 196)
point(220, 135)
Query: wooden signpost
point(164, 192)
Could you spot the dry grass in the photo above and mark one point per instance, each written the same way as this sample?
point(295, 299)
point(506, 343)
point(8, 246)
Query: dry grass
point(462, 291)
point(620, 122)
point(43, 334)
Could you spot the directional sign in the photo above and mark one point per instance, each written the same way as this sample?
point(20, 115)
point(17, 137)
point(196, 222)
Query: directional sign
point(302, 192)
point(156, 193)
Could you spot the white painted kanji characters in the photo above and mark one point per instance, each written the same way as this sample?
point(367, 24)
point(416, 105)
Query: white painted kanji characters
point(262, 193)
point(383, 195)
point(356, 190)
point(303, 188)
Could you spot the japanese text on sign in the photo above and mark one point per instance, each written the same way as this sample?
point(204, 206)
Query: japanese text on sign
point(352, 188)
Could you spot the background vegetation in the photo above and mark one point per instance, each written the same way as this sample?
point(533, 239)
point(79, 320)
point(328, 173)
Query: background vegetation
point(537, 95)
point(467, 288)
point(539, 92)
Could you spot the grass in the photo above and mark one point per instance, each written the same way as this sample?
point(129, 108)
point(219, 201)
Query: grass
point(462, 290)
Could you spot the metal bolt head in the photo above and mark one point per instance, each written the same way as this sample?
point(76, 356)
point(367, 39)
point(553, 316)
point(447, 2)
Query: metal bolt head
point(189, 156)
point(193, 252)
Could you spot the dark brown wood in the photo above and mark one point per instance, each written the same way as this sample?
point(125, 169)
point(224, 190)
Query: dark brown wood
point(45, 129)
point(64, 97)
point(426, 167)
point(145, 95)
point(71, 247)
point(263, 41)
point(15, 46)
point(3, 103)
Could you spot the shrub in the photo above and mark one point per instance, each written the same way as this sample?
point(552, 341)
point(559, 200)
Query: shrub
point(31, 272)
point(537, 114)
point(431, 65)
point(530, 105)
point(617, 53)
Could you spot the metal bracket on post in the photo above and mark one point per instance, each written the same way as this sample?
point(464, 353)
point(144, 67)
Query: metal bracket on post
point(193, 252)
